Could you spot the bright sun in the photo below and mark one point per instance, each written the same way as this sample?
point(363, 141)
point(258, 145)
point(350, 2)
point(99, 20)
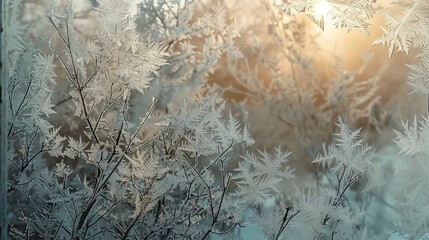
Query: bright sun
point(321, 9)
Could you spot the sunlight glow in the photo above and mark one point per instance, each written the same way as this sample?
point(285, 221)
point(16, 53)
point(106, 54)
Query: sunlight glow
point(321, 9)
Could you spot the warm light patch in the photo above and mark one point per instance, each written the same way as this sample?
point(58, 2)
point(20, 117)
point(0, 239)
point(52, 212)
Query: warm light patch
point(321, 9)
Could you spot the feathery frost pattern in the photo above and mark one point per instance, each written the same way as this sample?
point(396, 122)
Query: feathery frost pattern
point(139, 127)
point(405, 26)
point(348, 14)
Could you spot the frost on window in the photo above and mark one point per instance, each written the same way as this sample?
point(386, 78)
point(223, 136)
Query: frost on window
point(186, 119)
